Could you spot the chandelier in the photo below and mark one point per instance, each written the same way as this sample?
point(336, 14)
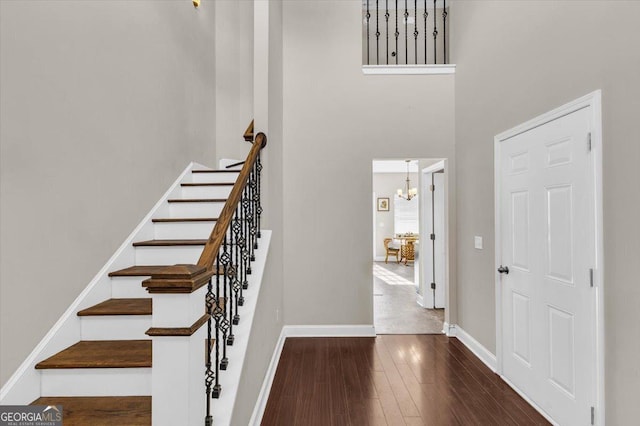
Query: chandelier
point(411, 192)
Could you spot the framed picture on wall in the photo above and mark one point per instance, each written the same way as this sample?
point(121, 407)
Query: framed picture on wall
point(383, 204)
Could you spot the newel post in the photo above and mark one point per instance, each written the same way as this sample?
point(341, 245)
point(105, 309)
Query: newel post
point(179, 335)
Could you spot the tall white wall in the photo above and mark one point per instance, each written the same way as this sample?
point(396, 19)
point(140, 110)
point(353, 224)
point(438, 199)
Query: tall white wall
point(516, 60)
point(336, 121)
point(102, 104)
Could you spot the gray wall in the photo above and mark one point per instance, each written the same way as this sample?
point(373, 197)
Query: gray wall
point(520, 59)
point(103, 104)
point(269, 316)
point(234, 75)
point(336, 121)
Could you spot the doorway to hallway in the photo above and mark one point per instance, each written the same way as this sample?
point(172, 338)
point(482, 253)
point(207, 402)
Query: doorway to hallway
point(402, 283)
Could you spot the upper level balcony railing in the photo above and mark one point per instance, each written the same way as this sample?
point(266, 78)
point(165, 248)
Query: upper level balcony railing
point(405, 32)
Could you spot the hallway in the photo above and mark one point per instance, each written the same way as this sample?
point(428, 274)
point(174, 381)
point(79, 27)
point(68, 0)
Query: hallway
point(395, 309)
point(390, 380)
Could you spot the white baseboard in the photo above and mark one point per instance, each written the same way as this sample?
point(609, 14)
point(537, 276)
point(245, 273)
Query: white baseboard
point(488, 358)
point(329, 330)
point(263, 397)
point(24, 385)
point(378, 258)
point(449, 329)
point(529, 401)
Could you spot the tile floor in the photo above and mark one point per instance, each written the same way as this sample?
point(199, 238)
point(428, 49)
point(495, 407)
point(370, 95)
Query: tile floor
point(394, 302)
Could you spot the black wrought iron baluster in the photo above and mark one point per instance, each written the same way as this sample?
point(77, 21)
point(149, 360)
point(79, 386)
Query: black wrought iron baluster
point(254, 213)
point(397, 34)
point(246, 205)
point(242, 244)
point(225, 260)
point(209, 374)
point(386, 17)
point(415, 29)
point(258, 202)
point(435, 33)
point(377, 33)
point(367, 17)
point(406, 32)
point(217, 314)
point(444, 30)
point(236, 285)
point(425, 15)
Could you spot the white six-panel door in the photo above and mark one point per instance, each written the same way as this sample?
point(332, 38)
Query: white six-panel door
point(547, 241)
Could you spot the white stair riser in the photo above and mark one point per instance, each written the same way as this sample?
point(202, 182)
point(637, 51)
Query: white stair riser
point(96, 382)
point(115, 327)
point(214, 177)
point(183, 230)
point(181, 210)
point(128, 287)
point(206, 192)
point(172, 255)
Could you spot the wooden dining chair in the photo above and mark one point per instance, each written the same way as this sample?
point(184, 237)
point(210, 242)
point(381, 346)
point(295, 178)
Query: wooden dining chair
point(391, 251)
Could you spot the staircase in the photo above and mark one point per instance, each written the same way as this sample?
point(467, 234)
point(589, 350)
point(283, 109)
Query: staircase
point(105, 378)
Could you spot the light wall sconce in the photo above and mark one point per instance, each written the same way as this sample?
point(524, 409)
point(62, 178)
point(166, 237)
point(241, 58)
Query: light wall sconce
point(196, 3)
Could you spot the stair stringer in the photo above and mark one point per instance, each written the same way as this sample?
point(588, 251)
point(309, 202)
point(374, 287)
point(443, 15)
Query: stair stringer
point(24, 386)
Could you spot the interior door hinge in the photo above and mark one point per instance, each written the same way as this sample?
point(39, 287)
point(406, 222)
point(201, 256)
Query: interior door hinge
point(433, 286)
point(433, 237)
point(591, 277)
point(593, 415)
point(589, 141)
point(432, 188)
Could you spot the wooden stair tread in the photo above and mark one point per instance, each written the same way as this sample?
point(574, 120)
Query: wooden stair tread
point(197, 200)
point(215, 171)
point(208, 184)
point(138, 271)
point(185, 219)
point(101, 354)
point(102, 410)
point(164, 243)
point(119, 307)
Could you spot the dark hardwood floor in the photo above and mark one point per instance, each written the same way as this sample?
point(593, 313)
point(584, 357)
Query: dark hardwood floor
point(390, 380)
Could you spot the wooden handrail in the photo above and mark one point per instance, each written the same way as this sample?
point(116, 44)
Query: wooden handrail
point(248, 134)
point(210, 251)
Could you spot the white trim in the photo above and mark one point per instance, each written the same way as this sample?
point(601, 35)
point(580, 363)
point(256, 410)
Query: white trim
point(449, 329)
point(529, 401)
point(263, 397)
point(483, 354)
point(357, 330)
point(594, 101)
point(224, 407)
point(409, 69)
point(379, 258)
point(19, 389)
point(443, 164)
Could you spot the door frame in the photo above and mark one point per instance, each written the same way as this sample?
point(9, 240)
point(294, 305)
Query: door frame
point(594, 101)
point(443, 164)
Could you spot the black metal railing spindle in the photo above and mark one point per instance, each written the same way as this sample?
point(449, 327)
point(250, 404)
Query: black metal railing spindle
point(225, 260)
point(406, 33)
point(368, 17)
point(425, 16)
point(444, 31)
point(209, 374)
point(435, 33)
point(217, 314)
point(415, 30)
point(377, 33)
point(397, 34)
point(386, 17)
